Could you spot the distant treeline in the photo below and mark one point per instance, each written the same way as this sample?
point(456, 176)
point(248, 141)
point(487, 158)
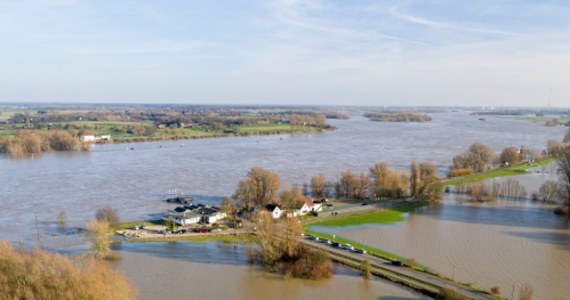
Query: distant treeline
point(398, 117)
point(212, 119)
point(34, 141)
point(522, 112)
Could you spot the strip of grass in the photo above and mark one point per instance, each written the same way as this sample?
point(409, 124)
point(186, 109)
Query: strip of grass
point(129, 225)
point(228, 238)
point(377, 217)
point(512, 171)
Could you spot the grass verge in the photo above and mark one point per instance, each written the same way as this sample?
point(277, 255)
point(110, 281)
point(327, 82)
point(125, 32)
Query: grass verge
point(228, 238)
point(512, 171)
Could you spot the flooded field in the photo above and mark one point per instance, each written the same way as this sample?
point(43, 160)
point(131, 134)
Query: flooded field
point(219, 271)
point(504, 245)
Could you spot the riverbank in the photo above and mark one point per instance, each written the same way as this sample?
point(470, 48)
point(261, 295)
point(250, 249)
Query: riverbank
point(521, 169)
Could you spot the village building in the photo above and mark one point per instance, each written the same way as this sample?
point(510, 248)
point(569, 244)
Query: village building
point(194, 214)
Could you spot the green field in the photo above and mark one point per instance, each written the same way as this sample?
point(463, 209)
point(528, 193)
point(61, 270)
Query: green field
point(378, 217)
point(7, 114)
point(512, 171)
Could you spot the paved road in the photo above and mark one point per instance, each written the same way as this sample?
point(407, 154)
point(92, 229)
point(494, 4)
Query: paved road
point(404, 271)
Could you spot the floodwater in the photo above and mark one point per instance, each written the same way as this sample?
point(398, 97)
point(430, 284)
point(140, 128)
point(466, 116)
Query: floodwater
point(505, 244)
point(217, 270)
point(472, 243)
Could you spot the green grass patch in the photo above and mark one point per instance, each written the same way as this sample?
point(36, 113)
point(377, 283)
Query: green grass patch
point(378, 217)
point(130, 225)
point(512, 171)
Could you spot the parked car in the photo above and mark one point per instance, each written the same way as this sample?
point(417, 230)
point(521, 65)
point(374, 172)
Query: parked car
point(216, 230)
point(312, 237)
point(325, 241)
point(347, 247)
point(336, 245)
point(361, 251)
point(397, 263)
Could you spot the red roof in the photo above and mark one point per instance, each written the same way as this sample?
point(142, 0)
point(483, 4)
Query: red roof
point(309, 201)
point(86, 133)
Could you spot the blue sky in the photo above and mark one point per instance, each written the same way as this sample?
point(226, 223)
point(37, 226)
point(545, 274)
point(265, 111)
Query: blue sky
point(424, 52)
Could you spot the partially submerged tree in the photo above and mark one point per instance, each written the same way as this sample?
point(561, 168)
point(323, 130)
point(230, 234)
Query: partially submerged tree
point(108, 214)
point(424, 183)
point(389, 183)
point(99, 235)
point(548, 192)
point(318, 184)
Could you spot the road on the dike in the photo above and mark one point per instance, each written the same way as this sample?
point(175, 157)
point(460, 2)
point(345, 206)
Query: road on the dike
point(420, 280)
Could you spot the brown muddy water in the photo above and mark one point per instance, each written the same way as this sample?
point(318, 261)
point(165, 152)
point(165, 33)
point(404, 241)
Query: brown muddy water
point(504, 245)
point(217, 270)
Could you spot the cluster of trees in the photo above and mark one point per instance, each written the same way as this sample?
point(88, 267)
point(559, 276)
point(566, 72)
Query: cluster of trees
point(33, 142)
point(480, 157)
point(279, 250)
point(41, 275)
point(486, 192)
point(262, 186)
point(399, 117)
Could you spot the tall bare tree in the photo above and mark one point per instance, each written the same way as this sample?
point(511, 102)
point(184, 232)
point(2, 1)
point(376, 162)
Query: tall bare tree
point(318, 183)
point(259, 188)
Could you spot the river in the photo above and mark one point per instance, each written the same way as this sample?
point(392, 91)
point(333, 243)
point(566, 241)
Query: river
point(133, 182)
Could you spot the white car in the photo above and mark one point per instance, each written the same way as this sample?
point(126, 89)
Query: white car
point(348, 247)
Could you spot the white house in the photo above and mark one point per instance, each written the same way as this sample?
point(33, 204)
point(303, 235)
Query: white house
point(275, 211)
point(88, 137)
point(215, 217)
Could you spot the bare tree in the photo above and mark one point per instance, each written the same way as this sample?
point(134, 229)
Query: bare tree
point(476, 158)
point(566, 138)
point(99, 234)
point(548, 191)
point(361, 186)
point(347, 182)
point(554, 147)
point(509, 156)
point(107, 214)
point(318, 183)
point(260, 187)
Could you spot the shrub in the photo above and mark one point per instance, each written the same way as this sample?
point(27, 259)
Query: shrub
point(496, 290)
point(460, 172)
point(61, 218)
point(42, 275)
point(451, 294)
point(107, 214)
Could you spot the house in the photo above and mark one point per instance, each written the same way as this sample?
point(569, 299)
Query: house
point(213, 218)
point(275, 211)
point(194, 214)
point(88, 137)
point(307, 206)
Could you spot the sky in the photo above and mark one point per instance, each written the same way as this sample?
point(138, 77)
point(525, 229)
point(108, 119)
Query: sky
point(322, 52)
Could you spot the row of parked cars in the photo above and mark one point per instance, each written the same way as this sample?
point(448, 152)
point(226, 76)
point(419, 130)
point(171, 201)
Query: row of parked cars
point(348, 247)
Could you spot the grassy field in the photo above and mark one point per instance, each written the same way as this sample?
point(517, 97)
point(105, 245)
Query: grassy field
point(7, 114)
point(118, 130)
point(512, 171)
point(378, 217)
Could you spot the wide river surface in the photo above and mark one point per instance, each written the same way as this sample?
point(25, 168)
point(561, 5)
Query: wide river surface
point(504, 245)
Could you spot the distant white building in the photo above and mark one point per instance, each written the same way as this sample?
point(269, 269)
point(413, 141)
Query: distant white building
point(275, 211)
point(88, 137)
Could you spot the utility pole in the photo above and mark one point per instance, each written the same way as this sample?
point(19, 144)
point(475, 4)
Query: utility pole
point(38, 228)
